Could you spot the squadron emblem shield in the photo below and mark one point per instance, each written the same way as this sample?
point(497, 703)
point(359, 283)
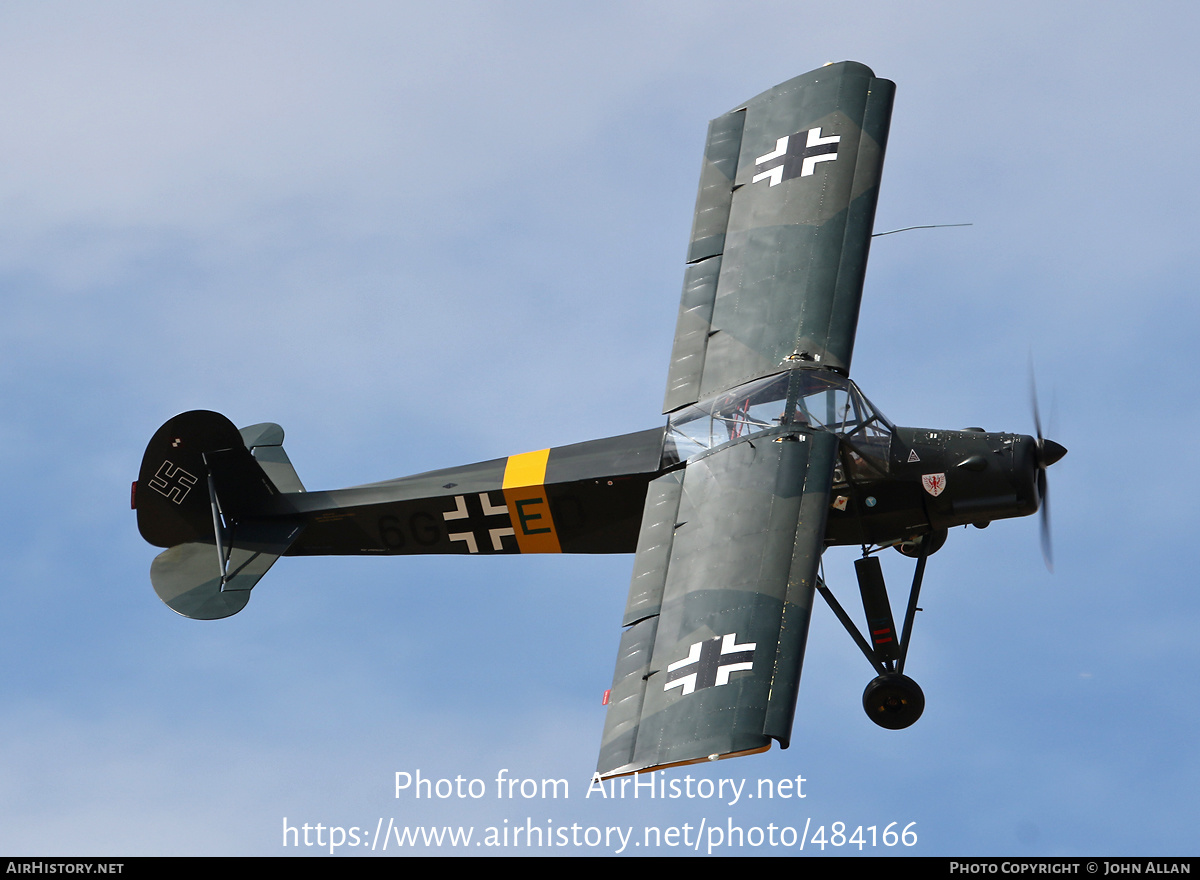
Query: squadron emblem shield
point(934, 484)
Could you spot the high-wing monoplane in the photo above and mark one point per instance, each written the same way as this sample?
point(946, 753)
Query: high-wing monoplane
point(770, 454)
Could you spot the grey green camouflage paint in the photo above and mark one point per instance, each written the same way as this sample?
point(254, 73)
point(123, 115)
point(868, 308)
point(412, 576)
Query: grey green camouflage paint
point(727, 558)
point(729, 554)
point(777, 260)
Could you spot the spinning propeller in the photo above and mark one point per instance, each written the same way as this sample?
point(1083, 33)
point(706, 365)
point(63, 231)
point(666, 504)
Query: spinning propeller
point(1048, 452)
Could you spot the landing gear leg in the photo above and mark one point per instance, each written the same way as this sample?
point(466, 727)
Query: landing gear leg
point(892, 699)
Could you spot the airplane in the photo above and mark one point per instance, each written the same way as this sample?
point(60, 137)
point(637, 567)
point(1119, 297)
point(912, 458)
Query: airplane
point(770, 453)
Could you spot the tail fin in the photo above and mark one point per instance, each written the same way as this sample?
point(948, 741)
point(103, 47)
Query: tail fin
point(203, 492)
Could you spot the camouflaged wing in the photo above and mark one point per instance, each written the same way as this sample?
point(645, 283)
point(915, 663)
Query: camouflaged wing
point(719, 604)
point(782, 227)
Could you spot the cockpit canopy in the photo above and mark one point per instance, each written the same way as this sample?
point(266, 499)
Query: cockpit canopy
point(809, 399)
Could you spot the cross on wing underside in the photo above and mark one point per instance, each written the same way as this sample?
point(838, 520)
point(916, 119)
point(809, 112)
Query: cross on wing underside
point(719, 605)
point(783, 221)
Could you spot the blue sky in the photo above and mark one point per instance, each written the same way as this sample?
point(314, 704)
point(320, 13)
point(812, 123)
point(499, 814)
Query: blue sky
point(420, 237)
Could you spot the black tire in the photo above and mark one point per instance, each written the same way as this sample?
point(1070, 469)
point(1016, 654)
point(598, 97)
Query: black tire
point(893, 701)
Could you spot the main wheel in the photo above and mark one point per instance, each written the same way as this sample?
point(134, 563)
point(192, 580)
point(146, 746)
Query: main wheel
point(893, 701)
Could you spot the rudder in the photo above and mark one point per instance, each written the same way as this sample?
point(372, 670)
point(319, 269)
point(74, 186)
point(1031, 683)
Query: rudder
point(201, 493)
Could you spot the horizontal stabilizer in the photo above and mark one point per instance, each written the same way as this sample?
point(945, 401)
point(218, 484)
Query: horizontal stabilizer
point(266, 442)
point(189, 578)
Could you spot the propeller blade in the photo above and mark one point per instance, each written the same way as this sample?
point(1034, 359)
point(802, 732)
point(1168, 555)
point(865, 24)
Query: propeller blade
point(1047, 547)
point(1048, 452)
point(1033, 404)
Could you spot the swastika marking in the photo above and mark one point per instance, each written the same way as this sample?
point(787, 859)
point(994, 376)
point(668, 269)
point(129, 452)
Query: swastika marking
point(173, 482)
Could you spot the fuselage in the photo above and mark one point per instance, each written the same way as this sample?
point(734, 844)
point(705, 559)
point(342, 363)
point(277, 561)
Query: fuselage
point(589, 497)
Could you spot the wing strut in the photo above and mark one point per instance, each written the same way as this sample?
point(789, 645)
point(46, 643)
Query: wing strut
point(838, 610)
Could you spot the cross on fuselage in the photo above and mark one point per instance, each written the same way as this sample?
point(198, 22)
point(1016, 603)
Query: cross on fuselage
point(478, 523)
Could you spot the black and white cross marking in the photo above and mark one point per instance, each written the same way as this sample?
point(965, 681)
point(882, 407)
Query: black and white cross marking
point(495, 530)
point(710, 663)
point(798, 154)
point(172, 481)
